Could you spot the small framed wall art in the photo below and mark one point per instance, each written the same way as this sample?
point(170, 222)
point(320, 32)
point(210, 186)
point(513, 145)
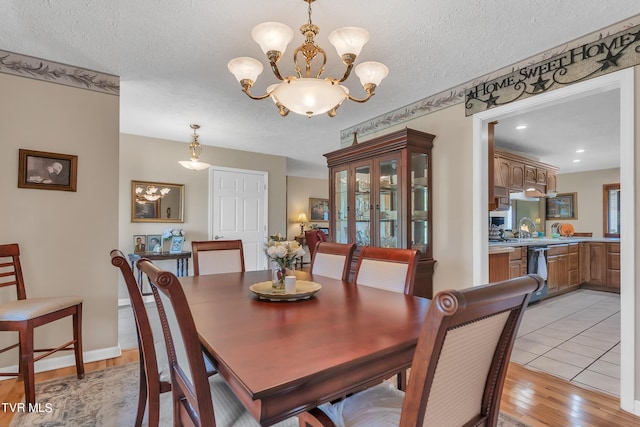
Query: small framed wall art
point(47, 171)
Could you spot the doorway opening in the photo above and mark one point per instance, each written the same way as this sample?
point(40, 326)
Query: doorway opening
point(623, 81)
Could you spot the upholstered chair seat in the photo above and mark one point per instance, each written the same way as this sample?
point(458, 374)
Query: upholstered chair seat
point(27, 309)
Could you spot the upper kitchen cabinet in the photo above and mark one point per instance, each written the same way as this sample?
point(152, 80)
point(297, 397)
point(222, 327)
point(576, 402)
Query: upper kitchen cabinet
point(519, 173)
point(379, 195)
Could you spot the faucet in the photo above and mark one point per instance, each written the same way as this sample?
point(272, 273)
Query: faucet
point(526, 228)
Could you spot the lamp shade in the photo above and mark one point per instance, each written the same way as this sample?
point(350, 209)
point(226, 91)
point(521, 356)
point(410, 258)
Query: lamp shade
point(371, 72)
point(245, 68)
point(272, 36)
point(302, 217)
point(349, 40)
point(309, 96)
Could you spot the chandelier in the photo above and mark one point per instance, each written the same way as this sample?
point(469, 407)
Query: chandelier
point(196, 149)
point(307, 94)
point(150, 194)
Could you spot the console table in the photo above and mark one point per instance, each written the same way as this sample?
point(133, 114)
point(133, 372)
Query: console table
point(182, 263)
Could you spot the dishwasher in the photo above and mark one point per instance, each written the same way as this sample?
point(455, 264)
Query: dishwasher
point(537, 264)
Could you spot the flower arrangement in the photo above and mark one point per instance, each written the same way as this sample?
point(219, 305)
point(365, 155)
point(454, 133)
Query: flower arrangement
point(283, 252)
point(170, 232)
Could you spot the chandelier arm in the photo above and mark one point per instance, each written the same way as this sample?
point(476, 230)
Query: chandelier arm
point(361, 100)
point(248, 92)
point(282, 110)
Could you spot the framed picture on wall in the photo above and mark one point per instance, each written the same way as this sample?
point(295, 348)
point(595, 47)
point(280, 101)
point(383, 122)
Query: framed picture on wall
point(318, 209)
point(563, 206)
point(47, 171)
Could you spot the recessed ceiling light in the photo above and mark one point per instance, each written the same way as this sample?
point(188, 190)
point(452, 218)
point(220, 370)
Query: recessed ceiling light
point(580, 150)
point(520, 127)
point(576, 161)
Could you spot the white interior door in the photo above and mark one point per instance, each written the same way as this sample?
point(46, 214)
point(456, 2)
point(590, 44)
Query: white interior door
point(238, 207)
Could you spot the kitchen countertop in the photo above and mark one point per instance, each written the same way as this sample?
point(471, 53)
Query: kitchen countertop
point(549, 241)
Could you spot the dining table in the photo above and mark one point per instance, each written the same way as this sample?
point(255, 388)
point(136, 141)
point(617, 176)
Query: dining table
point(281, 358)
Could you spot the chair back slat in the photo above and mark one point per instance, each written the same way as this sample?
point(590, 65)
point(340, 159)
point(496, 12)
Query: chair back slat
point(11, 274)
point(392, 269)
point(217, 256)
point(463, 351)
point(332, 260)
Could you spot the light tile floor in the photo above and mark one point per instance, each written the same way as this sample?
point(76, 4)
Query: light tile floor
point(575, 336)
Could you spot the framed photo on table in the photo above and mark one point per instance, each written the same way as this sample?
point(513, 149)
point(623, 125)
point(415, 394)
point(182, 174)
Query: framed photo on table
point(176, 244)
point(318, 209)
point(563, 206)
point(47, 171)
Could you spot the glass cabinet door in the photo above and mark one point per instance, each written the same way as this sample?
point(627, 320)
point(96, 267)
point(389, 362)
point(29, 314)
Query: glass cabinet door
point(362, 205)
point(419, 202)
point(340, 203)
point(387, 204)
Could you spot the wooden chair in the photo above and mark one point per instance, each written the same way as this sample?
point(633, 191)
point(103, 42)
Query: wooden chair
point(313, 237)
point(151, 384)
point(217, 256)
point(458, 369)
point(26, 314)
point(391, 269)
point(332, 260)
point(194, 394)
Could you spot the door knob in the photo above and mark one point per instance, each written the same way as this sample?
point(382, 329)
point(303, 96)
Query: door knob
point(216, 237)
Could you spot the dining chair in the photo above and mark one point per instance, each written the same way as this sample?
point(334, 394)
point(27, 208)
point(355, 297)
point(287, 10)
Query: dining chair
point(217, 256)
point(391, 269)
point(25, 314)
point(458, 368)
point(332, 260)
point(313, 237)
point(198, 400)
point(153, 380)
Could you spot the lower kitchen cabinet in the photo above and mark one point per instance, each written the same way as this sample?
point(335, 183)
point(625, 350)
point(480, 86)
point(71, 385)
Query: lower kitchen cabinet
point(594, 264)
point(613, 266)
point(518, 262)
point(557, 268)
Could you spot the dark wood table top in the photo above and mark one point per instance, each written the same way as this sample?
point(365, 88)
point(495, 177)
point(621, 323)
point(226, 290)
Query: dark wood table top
point(282, 358)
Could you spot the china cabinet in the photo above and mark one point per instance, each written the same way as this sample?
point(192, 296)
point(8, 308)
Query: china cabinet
point(379, 195)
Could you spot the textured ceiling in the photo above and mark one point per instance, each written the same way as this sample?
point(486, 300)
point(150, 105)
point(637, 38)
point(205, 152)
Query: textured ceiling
point(172, 57)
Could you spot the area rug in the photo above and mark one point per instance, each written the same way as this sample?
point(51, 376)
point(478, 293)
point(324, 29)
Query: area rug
point(107, 398)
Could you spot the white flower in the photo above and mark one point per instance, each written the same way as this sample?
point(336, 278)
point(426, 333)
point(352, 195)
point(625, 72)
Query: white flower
point(283, 252)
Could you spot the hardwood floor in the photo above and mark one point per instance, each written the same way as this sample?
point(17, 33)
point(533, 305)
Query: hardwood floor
point(535, 398)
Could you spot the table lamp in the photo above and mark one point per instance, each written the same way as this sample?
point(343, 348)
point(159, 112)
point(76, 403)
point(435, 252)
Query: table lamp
point(302, 218)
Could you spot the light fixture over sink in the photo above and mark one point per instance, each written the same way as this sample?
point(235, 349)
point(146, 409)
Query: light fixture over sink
point(308, 94)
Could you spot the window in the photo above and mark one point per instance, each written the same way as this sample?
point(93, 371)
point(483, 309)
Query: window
point(611, 211)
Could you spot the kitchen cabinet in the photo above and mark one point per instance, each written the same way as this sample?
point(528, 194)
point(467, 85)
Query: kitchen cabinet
point(518, 262)
point(557, 268)
point(499, 265)
point(379, 195)
point(613, 266)
point(517, 173)
point(574, 265)
point(593, 264)
point(552, 181)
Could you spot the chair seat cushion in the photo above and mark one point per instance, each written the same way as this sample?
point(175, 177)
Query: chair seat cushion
point(32, 308)
point(378, 406)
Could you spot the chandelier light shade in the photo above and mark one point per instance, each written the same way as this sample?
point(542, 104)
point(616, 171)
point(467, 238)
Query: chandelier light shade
point(196, 149)
point(150, 193)
point(307, 93)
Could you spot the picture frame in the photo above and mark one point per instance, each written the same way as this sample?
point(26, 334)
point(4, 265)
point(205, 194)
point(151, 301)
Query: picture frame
point(157, 201)
point(176, 244)
point(318, 209)
point(563, 206)
point(139, 243)
point(43, 170)
point(154, 243)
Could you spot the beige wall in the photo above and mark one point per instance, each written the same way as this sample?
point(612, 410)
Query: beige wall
point(588, 186)
point(64, 237)
point(153, 159)
point(299, 190)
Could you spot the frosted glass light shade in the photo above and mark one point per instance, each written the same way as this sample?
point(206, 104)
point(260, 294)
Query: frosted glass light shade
point(245, 67)
point(371, 72)
point(272, 36)
point(194, 164)
point(349, 40)
point(309, 96)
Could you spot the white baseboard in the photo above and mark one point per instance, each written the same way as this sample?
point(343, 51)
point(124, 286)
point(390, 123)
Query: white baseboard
point(123, 302)
point(49, 364)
